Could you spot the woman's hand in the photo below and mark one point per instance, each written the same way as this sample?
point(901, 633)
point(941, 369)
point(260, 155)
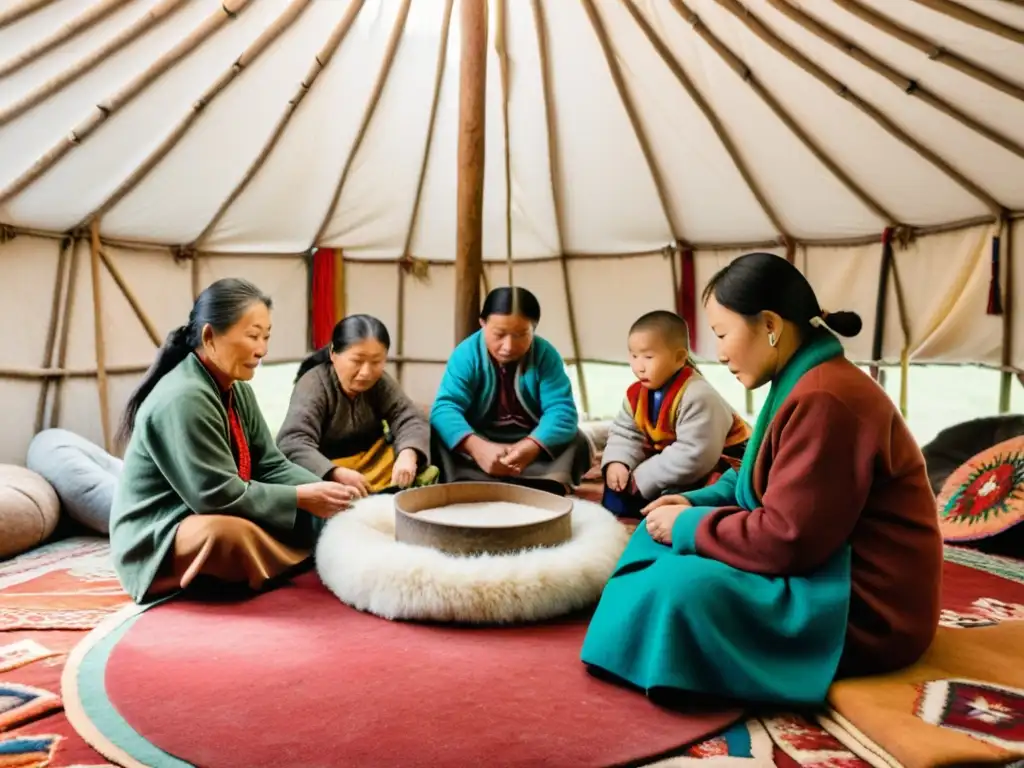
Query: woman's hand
point(404, 471)
point(351, 479)
point(325, 499)
point(663, 501)
point(660, 521)
point(521, 455)
point(617, 476)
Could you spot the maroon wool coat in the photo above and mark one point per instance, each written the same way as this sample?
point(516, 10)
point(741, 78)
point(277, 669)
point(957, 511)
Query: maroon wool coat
point(839, 464)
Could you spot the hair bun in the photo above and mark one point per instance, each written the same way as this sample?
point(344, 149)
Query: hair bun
point(844, 323)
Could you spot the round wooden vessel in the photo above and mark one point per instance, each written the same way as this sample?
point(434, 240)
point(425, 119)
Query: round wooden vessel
point(549, 527)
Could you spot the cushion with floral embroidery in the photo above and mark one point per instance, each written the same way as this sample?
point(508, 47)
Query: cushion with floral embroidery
point(984, 496)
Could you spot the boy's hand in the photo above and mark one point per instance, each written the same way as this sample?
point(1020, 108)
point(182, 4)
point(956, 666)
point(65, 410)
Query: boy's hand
point(616, 476)
point(664, 501)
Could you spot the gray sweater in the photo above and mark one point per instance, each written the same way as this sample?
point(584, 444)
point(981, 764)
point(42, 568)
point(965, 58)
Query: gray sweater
point(323, 423)
point(702, 426)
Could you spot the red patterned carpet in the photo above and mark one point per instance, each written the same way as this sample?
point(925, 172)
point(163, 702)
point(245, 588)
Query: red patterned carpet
point(49, 599)
point(979, 590)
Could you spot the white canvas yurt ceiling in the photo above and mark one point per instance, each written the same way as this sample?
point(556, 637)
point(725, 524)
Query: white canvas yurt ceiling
point(148, 147)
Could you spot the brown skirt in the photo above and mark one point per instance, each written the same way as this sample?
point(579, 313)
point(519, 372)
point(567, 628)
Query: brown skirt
point(227, 549)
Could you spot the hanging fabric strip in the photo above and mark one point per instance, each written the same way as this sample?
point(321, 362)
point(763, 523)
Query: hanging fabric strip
point(883, 292)
point(995, 294)
point(686, 294)
point(322, 297)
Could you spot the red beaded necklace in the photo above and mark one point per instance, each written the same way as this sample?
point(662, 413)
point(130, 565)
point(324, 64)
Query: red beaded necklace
point(239, 442)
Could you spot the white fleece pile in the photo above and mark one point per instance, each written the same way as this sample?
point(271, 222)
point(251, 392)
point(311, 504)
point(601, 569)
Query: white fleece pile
point(359, 560)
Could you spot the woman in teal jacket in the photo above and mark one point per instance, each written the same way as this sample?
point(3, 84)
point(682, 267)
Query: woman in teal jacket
point(504, 410)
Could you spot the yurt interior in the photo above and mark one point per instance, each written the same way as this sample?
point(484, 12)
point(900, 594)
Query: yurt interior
point(403, 159)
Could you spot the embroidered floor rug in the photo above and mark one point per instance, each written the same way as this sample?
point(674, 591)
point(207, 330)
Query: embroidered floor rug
point(963, 703)
point(49, 597)
point(978, 590)
point(295, 677)
point(69, 584)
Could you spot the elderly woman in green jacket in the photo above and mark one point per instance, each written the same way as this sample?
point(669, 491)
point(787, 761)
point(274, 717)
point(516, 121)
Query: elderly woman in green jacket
point(205, 493)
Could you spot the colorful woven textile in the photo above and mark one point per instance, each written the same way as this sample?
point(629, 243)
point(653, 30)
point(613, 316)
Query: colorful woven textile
point(984, 496)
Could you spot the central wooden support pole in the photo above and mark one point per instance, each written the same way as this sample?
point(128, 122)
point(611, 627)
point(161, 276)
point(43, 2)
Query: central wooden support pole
point(472, 103)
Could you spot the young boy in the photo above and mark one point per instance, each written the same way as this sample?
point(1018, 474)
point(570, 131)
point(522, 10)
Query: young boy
point(675, 432)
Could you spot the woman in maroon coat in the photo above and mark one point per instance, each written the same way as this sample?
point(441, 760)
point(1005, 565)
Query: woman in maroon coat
point(723, 587)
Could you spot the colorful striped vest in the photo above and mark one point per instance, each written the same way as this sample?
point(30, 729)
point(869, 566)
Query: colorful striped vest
point(660, 432)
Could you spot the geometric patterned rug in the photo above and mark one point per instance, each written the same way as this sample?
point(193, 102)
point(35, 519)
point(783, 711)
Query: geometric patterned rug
point(979, 591)
point(20, 703)
point(69, 584)
point(49, 597)
point(961, 704)
point(784, 740)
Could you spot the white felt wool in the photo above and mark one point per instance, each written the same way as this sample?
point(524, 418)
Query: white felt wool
point(487, 514)
point(359, 560)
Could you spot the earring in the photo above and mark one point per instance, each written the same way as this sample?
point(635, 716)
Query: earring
point(771, 338)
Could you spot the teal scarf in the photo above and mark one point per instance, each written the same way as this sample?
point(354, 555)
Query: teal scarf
point(818, 350)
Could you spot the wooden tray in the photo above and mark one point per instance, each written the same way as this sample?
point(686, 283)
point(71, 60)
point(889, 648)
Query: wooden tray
point(460, 539)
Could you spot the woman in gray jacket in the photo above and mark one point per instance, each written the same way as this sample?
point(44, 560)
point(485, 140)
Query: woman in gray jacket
point(349, 421)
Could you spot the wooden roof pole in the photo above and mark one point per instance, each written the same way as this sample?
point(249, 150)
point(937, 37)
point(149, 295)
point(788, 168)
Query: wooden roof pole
point(394, 40)
point(709, 114)
point(974, 18)
point(200, 106)
point(155, 16)
point(406, 262)
point(67, 31)
point(791, 10)
point(768, 36)
point(747, 75)
point(501, 44)
point(103, 111)
point(20, 10)
point(557, 188)
point(931, 49)
point(657, 177)
point(320, 62)
point(470, 188)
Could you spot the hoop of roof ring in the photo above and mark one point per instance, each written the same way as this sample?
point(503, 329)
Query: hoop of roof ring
point(362, 562)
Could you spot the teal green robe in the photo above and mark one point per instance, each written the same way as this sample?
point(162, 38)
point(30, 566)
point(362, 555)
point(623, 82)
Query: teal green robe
point(179, 462)
point(670, 618)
